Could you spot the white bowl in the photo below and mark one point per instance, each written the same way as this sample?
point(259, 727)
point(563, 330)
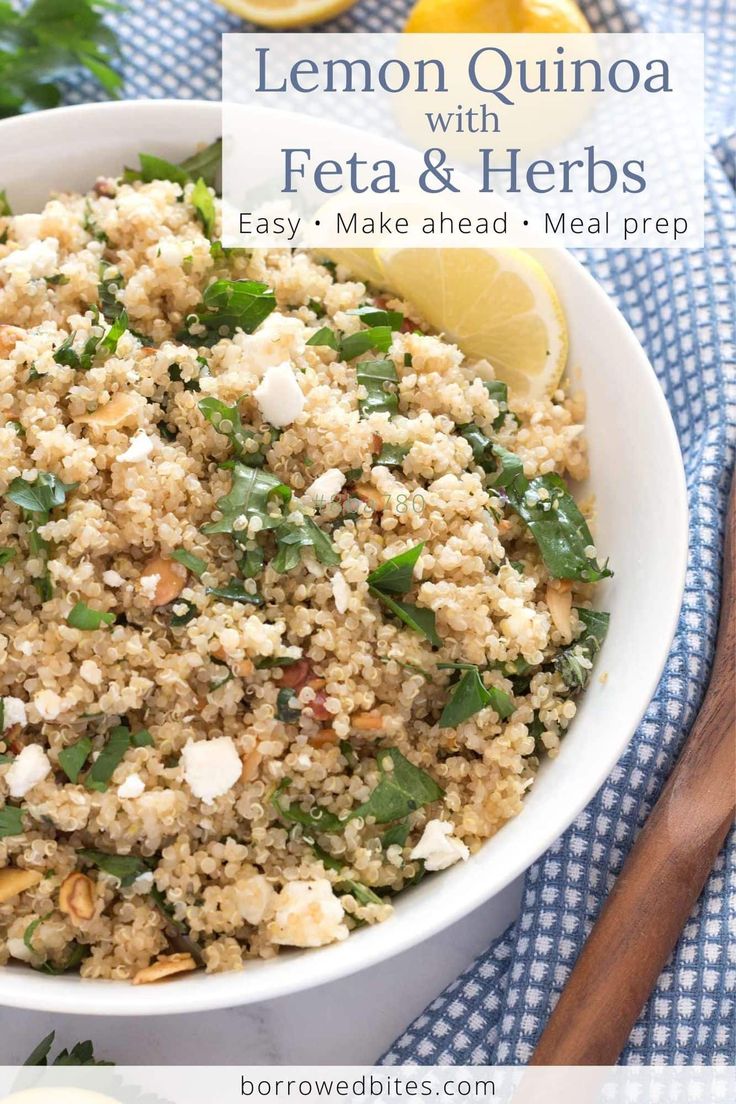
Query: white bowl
point(638, 479)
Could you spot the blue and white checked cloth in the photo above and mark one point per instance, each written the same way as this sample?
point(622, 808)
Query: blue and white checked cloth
point(682, 306)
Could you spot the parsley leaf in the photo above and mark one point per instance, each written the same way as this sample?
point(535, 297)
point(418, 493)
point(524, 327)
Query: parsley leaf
point(574, 663)
point(553, 518)
point(392, 456)
point(377, 376)
point(378, 316)
point(87, 619)
point(402, 789)
point(325, 336)
point(11, 821)
point(226, 420)
point(395, 576)
point(73, 757)
point(6, 555)
point(101, 771)
point(126, 868)
point(285, 711)
point(292, 538)
point(191, 562)
point(376, 337)
point(5, 209)
point(203, 203)
point(469, 696)
point(156, 168)
point(205, 163)
point(250, 495)
point(227, 306)
point(41, 496)
point(235, 592)
point(48, 39)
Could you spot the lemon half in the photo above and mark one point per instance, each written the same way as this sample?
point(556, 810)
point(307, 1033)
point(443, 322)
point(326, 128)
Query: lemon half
point(497, 304)
point(286, 13)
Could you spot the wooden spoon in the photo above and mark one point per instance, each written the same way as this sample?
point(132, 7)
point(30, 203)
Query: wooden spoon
point(663, 876)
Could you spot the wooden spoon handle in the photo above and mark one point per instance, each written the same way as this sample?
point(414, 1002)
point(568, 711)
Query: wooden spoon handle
point(663, 876)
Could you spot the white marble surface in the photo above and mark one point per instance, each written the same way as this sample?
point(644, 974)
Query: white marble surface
point(349, 1022)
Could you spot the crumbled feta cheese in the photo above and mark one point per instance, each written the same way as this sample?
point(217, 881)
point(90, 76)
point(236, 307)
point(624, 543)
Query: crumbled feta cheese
point(276, 340)
point(28, 768)
point(211, 767)
point(48, 705)
point(39, 258)
point(279, 396)
point(112, 579)
point(139, 449)
point(325, 487)
point(340, 591)
point(438, 847)
point(14, 712)
point(149, 584)
point(90, 672)
point(254, 897)
point(133, 786)
point(308, 914)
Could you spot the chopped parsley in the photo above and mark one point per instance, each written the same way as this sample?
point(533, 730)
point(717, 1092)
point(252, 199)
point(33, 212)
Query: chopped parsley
point(126, 868)
point(285, 711)
point(6, 555)
point(11, 821)
point(226, 420)
point(251, 494)
point(574, 663)
point(228, 306)
point(191, 562)
point(203, 203)
point(395, 577)
point(99, 775)
point(378, 377)
point(87, 619)
point(469, 696)
point(292, 538)
point(73, 758)
point(234, 591)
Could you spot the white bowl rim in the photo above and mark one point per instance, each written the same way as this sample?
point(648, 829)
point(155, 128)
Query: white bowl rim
point(21, 988)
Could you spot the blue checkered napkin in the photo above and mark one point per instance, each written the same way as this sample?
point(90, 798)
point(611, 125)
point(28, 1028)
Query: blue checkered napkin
point(682, 306)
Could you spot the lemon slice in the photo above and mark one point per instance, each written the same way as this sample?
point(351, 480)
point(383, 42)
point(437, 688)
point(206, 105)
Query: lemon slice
point(497, 16)
point(286, 13)
point(361, 263)
point(494, 303)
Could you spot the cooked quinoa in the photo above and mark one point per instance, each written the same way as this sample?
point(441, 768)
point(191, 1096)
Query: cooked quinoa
point(224, 730)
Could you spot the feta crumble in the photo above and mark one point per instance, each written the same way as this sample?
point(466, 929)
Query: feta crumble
point(133, 786)
point(279, 396)
point(325, 488)
point(438, 847)
point(27, 769)
point(308, 914)
point(340, 591)
point(211, 767)
point(140, 448)
point(14, 712)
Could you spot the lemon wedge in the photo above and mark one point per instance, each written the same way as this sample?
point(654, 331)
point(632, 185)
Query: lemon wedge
point(286, 13)
point(361, 263)
point(497, 304)
point(497, 17)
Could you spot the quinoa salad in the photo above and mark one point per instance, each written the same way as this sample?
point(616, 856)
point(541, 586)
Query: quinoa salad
point(294, 597)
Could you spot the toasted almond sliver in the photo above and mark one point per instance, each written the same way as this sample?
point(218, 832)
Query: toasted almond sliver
point(366, 492)
point(323, 738)
point(367, 722)
point(559, 603)
point(120, 407)
point(171, 579)
point(77, 897)
point(165, 966)
point(14, 881)
point(251, 764)
point(9, 338)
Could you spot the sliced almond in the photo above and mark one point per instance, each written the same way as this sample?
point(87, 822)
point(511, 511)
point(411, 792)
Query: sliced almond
point(14, 881)
point(77, 897)
point(251, 766)
point(9, 338)
point(366, 492)
point(559, 603)
point(243, 667)
point(170, 582)
point(165, 966)
point(367, 722)
point(114, 413)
